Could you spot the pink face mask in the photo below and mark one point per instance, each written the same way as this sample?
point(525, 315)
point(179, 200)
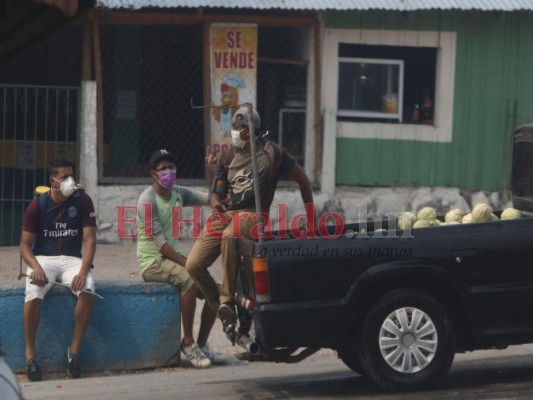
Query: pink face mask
point(167, 178)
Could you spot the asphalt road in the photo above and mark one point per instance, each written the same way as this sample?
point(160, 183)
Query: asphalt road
point(505, 374)
point(494, 374)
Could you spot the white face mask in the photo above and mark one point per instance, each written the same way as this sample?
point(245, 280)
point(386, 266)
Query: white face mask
point(67, 187)
point(236, 139)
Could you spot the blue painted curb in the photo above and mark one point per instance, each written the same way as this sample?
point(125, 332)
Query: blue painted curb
point(136, 325)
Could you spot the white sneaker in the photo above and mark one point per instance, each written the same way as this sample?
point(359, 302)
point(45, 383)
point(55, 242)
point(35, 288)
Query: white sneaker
point(197, 358)
point(214, 357)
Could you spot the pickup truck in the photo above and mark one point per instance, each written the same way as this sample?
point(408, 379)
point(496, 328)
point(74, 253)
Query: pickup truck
point(395, 305)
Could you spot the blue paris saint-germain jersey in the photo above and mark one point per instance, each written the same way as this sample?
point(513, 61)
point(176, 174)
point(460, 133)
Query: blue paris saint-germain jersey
point(59, 227)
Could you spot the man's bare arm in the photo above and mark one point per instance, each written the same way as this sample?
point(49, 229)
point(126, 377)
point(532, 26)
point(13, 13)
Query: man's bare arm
point(26, 241)
point(297, 174)
point(89, 250)
point(168, 252)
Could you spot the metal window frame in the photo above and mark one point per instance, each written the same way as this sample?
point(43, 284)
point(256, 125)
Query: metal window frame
point(370, 114)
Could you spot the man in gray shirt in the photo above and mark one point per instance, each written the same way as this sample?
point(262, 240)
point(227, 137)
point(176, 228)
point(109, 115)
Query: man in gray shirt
point(159, 256)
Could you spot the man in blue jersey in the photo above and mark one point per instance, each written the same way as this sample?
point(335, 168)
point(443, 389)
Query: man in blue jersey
point(55, 225)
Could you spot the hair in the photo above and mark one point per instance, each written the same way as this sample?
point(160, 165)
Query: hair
point(57, 163)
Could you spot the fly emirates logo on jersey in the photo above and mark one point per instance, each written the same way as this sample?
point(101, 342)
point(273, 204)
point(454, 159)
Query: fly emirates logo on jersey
point(60, 231)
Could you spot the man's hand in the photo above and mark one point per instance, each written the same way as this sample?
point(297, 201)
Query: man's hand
point(210, 160)
point(218, 206)
point(78, 282)
point(38, 277)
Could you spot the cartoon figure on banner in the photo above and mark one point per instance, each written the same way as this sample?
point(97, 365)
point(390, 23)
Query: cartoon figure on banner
point(229, 90)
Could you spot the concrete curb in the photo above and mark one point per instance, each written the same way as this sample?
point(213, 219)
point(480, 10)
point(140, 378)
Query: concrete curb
point(136, 325)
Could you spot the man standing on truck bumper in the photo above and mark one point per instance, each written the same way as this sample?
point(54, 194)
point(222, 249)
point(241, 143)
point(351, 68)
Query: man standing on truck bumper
point(233, 197)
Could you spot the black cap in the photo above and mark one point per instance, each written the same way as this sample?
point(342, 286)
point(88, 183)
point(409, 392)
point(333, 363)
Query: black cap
point(160, 155)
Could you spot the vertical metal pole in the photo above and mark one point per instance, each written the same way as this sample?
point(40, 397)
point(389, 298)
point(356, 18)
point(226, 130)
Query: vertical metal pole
point(45, 137)
point(15, 169)
point(257, 192)
point(4, 165)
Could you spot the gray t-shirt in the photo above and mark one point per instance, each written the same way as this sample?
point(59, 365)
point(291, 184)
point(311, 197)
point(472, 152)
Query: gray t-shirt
point(154, 221)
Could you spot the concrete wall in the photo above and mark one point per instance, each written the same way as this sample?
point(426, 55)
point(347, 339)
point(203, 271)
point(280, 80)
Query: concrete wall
point(352, 203)
point(134, 326)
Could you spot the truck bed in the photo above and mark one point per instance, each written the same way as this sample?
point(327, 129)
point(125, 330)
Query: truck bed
point(322, 286)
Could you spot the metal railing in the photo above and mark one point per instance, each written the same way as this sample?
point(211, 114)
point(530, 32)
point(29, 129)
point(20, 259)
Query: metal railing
point(37, 123)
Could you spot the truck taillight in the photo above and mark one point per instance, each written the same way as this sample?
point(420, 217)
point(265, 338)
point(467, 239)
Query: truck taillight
point(262, 290)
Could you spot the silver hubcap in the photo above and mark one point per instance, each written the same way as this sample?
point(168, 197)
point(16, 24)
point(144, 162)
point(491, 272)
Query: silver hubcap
point(408, 340)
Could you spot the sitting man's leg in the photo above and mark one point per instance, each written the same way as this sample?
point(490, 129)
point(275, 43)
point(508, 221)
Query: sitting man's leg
point(167, 271)
point(82, 313)
point(207, 321)
point(32, 313)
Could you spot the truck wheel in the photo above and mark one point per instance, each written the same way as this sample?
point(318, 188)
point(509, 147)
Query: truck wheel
point(407, 340)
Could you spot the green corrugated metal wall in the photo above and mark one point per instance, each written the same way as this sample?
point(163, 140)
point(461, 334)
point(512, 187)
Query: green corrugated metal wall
point(493, 94)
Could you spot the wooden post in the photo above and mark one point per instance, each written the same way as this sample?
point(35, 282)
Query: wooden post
point(87, 61)
point(207, 85)
point(318, 115)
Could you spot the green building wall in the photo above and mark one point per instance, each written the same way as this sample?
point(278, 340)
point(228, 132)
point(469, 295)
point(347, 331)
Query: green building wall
point(493, 95)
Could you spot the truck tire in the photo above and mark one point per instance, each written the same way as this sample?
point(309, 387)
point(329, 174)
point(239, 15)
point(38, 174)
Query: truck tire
point(407, 340)
point(352, 360)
